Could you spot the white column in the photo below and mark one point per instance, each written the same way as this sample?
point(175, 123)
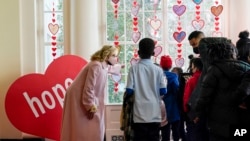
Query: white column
point(82, 28)
point(239, 20)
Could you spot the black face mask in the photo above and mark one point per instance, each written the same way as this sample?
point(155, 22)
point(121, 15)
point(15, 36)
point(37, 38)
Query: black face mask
point(196, 50)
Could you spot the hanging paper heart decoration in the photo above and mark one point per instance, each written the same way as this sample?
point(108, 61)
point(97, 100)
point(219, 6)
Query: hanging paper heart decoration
point(179, 62)
point(197, 1)
point(135, 10)
point(198, 24)
point(116, 77)
point(134, 61)
point(216, 10)
point(217, 34)
point(155, 23)
point(136, 36)
point(179, 9)
point(115, 1)
point(179, 36)
point(53, 28)
point(157, 51)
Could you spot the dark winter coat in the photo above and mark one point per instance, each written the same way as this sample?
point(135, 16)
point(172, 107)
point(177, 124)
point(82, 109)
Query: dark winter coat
point(204, 58)
point(218, 98)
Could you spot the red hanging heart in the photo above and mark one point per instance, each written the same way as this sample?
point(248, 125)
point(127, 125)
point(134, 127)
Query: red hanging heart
point(116, 43)
point(179, 28)
point(198, 12)
point(179, 45)
point(53, 37)
point(53, 20)
point(216, 18)
point(217, 28)
point(216, 23)
point(53, 43)
point(115, 1)
point(53, 48)
point(53, 54)
point(135, 23)
point(197, 7)
point(135, 28)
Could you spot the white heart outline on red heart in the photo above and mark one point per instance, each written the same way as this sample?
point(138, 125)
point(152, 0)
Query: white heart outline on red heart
point(18, 110)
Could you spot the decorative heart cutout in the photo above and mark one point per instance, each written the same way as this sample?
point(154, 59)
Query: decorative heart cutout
point(197, 1)
point(155, 23)
point(179, 36)
point(136, 36)
point(179, 9)
point(216, 10)
point(198, 24)
point(115, 1)
point(157, 51)
point(134, 61)
point(135, 10)
point(34, 101)
point(53, 28)
point(116, 77)
point(179, 62)
point(217, 34)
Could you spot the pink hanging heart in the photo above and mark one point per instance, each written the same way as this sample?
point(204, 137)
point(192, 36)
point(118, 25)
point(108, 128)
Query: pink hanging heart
point(116, 77)
point(217, 34)
point(179, 36)
point(135, 10)
point(155, 24)
point(134, 61)
point(216, 10)
point(179, 62)
point(179, 9)
point(115, 1)
point(53, 28)
point(157, 51)
point(136, 36)
point(198, 24)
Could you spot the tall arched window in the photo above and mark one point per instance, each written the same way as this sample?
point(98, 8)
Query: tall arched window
point(168, 22)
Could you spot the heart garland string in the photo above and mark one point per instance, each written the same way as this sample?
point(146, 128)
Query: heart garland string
point(116, 77)
point(179, 35)
point(155, 24)
point(216, 10)
point(136, 34)
point(53, 28)
point(198, 23)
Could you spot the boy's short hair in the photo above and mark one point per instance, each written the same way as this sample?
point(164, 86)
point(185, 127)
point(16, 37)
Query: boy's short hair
point(196, 61)
point(194, 34)
point(146, 48)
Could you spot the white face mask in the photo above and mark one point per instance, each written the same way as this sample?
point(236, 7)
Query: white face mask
point(112, 59)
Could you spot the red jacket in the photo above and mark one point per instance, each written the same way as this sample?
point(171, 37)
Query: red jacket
point(189, 87)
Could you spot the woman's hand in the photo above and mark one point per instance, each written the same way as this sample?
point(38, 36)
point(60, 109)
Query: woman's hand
point(90, 114)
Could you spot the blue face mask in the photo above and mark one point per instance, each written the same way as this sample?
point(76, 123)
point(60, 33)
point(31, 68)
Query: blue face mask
point(196, 50)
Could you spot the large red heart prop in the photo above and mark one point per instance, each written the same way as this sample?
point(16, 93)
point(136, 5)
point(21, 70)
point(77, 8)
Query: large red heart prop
point(34, 101)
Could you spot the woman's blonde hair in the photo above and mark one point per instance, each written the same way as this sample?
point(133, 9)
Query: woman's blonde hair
point(103, 53)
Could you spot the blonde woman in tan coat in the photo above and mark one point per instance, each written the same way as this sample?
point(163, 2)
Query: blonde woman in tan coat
point(83, 111)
